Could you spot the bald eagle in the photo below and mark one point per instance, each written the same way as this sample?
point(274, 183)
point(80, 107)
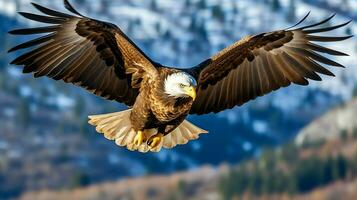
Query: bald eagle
point(99, 57)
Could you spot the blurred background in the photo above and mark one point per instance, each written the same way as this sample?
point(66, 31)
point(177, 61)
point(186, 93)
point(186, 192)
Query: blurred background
point(297, 143)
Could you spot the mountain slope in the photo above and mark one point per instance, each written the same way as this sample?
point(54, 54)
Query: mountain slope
point(341, 120)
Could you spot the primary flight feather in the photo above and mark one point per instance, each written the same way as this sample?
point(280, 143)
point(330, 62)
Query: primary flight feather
point(99, 57)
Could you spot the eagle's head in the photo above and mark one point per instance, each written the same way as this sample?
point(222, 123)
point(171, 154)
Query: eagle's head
point(180, 85)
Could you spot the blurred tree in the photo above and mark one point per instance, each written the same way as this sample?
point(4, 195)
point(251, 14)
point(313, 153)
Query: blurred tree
point(2, 81)
point(279, 183)
point(235, 183)
point(348, 31)
point(104, 7)
point(187, 3)
point(218, 13)
point(340, 165)
point(345, 5)
point(288, 153)
point(255, 183)
point(181, 189)
point(80, 106)
point(275, 5)
point(291, 12)
point(309, 174)
point(290, 185)
point(80, 2)
point(158, 27)
point(80, 179)
point(354, 133)
point(86, 129)
point(131, 196)
point(154, 6)
point(353, 166)
point(225, 188)
point(354, 93)
point(201, 4)
point(327, 170)
point(23, 114)
point(268, 159)
point(344, 135)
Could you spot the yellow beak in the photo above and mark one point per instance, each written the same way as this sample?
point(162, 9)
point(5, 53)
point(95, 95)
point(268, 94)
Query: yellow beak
point(191, 91)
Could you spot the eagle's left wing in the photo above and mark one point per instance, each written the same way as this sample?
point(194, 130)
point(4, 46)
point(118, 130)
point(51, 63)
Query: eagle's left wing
point(260, 64)
point(93, 54)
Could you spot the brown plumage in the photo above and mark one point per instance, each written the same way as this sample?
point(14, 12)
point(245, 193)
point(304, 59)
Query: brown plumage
point(99, 57)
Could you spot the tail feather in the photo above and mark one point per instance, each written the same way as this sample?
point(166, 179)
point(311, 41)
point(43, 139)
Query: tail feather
point(117, 126)
point(182, 135)
point(113, 125)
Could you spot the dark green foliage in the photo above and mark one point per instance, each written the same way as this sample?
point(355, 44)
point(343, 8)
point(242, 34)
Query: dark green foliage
point(288, 153)
point(80, 179)
point(344, 135)
point(354, 133)
point(267, 176)
point(309, 174)
point(315, 144)
point(181, 189)
point(353, 165)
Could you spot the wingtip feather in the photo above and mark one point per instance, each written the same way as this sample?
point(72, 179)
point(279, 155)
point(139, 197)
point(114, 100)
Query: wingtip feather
point(301, 21)
point(11, 50)
point(70, 8)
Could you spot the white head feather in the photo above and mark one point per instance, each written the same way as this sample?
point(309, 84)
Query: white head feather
point(175, 83)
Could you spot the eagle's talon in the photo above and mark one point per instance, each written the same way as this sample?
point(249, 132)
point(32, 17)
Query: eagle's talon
point(155, 141)
point(139, 138)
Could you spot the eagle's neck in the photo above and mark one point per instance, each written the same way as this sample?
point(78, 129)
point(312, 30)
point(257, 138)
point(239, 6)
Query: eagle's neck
point(170, 101)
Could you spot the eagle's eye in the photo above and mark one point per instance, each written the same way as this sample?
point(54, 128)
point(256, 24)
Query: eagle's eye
point(182, 85)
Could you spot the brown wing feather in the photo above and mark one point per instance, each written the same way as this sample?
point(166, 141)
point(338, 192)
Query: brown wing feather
point(89, 53)
point(260, 64)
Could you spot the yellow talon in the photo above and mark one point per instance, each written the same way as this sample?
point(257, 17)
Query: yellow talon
point(139, 138)
point(155, 141)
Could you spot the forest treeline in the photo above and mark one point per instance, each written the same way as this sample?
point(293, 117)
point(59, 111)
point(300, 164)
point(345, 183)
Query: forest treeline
point(288, 171)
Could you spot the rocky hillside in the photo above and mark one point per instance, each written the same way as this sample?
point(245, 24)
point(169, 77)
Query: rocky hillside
point(342, 120)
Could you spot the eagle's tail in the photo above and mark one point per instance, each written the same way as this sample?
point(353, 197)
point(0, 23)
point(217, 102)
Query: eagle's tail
point(117, 126)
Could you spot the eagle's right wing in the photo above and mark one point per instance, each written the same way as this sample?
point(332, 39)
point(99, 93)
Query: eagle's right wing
point(92, 54)
point(261, 64)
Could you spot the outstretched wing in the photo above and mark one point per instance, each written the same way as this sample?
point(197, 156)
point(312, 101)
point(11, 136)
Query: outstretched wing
point(89, 53)
point(260, 64)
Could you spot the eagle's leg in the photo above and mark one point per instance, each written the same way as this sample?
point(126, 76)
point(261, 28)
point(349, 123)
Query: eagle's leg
point(139, 138)
point(155, 140)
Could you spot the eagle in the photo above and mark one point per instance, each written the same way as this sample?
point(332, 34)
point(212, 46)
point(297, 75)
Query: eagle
point(100, 58)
